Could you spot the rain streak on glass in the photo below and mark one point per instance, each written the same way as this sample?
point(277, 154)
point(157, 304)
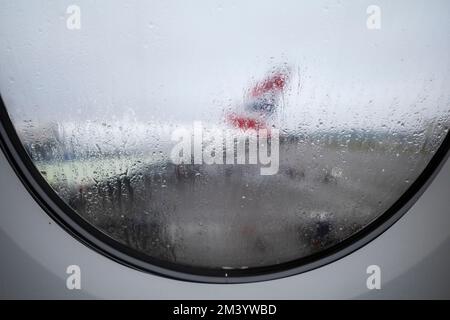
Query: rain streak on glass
point(360, 113)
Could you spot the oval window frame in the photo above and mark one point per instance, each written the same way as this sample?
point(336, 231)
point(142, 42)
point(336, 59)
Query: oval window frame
point(95, 239)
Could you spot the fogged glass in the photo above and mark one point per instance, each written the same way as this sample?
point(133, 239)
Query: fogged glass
point(356, 98)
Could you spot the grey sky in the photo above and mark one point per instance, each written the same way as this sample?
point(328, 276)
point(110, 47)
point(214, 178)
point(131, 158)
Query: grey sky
point(183, 61)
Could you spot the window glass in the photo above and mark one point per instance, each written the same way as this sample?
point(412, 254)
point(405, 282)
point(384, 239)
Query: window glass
point(228, 134)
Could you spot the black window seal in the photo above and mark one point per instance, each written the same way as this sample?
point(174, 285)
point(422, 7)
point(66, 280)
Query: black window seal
point(95, 239)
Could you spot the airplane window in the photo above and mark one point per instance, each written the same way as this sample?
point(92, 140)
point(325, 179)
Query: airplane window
point(227, 135)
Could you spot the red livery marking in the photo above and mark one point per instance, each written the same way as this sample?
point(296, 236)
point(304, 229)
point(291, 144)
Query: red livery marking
point(272, 84)
point(245, 123)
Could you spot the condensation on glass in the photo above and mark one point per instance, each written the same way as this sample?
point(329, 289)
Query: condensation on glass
point(360, 112)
